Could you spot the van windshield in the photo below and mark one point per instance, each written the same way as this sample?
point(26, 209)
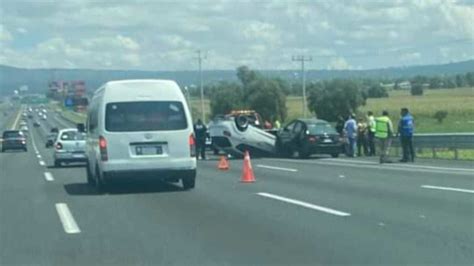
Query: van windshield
point(145, 116)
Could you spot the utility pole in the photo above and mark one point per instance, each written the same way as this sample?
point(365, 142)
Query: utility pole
point(200, 58)
point(303, 59)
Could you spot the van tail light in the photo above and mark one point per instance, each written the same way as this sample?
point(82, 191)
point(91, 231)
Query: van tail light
point(192, 145)
point(103, 149)
point(59, 146)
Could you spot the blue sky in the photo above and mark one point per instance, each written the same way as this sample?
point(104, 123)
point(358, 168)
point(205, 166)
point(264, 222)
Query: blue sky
point(164, 35)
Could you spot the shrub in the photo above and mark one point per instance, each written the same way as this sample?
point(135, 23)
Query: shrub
point(417, 89)
point(440, 115)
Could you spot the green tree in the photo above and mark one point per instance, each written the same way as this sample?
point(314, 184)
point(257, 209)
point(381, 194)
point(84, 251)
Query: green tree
point(224, 97)
point(460, 81)
point(470, 79)
point(268, 98)
point(416, 89)
point(377, 91)
point(333, 98)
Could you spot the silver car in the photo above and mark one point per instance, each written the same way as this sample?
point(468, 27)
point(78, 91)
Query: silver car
point(69, 147)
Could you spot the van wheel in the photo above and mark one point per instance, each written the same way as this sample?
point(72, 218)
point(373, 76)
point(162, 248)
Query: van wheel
point(303, 153)
point(57, 163)
point(189, 182)
point(335, 155)
point(98, 182)
point(90, 178)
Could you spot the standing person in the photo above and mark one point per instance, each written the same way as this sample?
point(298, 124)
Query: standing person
point(405, 130)
point(350, 130)
point(340, 125)
point(384, 134)
point(371, 133)
point(277, 124)
point(200, 131)
point(362, 138)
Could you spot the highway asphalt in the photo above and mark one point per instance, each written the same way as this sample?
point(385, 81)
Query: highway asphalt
point(319, 211)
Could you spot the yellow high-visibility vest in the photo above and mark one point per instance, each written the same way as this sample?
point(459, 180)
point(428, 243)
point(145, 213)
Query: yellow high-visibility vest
point(382, 127)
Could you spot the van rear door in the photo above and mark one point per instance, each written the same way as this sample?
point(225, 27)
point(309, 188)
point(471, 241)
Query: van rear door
point(146, 130)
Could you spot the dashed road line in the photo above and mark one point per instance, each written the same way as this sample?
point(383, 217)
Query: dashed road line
point(69, 224)
point(48, 176)
point(448, 189)
point(17, 118)
point(277, 168)
point(42, 163)
point(304, 204)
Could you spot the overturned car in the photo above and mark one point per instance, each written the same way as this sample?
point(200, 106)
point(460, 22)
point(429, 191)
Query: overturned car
point(242, 131)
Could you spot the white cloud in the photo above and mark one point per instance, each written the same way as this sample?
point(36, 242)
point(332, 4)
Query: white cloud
point(339, 63)
point(5, 35)
point(123, 33)
point(22, 30)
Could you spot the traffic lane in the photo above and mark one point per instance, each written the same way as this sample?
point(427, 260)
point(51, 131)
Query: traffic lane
point(220, 195)
point(410, 174)
point(28, 221)
point(410, 213)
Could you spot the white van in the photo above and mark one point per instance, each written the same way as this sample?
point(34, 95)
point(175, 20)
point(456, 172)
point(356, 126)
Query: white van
point(140, 128)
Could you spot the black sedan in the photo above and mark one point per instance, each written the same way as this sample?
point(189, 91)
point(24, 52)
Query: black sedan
point(307, 137)
point(13, 140)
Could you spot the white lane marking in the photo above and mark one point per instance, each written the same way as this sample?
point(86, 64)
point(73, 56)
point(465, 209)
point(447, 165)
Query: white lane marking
point(65, 215)
point(34, 143)
point(449, 189)
point(42, 163)
point(17, 118)
point(38, 156)
point(397, 164)
point(304, 204)
point(277, 168)
point(48, 176)
point(456, 171)
point(342, 176)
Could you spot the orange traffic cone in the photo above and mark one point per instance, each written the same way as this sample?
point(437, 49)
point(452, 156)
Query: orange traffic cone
point(223, 164)
point(247, 171)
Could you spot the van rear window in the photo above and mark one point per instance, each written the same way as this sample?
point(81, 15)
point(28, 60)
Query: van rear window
point(145, 116)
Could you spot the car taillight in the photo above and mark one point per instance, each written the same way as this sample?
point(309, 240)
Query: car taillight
point(313, 139)
point(227, 134)
point(59, 146)
point(103, 149)
point(192, 145)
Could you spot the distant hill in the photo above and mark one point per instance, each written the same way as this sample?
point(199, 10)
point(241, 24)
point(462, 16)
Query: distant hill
point(11, 78)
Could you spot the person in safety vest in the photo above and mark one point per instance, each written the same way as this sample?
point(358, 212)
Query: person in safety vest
point(384, 134)
point(405, 131)
point(200, 131)
point(371, 133)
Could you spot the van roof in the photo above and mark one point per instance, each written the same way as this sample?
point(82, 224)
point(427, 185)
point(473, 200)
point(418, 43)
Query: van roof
point(142, 90)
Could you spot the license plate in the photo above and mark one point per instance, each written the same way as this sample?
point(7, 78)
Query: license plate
point(148, 150)
point(327, 140)
point(77, 155)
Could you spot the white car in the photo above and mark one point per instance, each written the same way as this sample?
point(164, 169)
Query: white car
point(140, 128)
point(235, 134)
point(69, 147)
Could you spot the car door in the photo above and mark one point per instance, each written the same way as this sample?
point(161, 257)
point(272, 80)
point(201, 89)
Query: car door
point(285, 134)
point(297, 135)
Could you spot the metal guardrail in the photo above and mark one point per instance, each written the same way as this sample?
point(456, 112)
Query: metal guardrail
point(451, 141)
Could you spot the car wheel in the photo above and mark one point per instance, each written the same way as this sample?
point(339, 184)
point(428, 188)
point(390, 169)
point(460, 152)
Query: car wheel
point(303, 153)
point(241, 122)
point(189, 182)
point(25, 149)
point(57, 163)
point(335, 155)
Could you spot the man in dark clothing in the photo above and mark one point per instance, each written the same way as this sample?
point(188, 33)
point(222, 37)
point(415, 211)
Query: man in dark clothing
point(200, 131)
point(405, 131)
